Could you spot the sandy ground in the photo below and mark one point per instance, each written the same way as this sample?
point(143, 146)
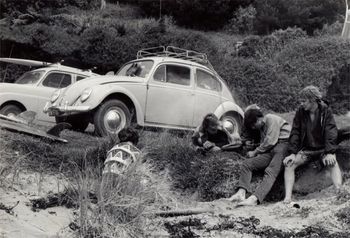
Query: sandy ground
point(316, 209)
point(22, 221)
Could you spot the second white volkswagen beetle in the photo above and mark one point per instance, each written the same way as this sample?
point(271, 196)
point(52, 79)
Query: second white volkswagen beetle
point(33, 89)
point(164, 87)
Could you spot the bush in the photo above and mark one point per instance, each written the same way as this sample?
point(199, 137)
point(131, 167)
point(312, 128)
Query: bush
point(306, 14)
point(242, 21)
point(14, 7)
point(265, 47)
point(271, 70)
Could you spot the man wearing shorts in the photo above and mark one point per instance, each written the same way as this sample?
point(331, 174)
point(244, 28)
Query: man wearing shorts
point(314, 129)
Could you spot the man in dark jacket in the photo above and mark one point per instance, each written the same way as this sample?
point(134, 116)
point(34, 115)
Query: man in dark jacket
point(314, 129)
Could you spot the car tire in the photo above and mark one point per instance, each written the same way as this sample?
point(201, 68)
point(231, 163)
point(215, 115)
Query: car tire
point(11, 109)
point(111, 117)
point(233, 122)
point(78, 123)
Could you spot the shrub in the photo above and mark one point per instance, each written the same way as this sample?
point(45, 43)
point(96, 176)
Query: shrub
point(15, 7)
point(265, 47)
point(334, 29)
point(271, 70)
point(242, 21)
point(306, 14)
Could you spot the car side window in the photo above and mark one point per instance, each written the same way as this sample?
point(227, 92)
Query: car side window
point(207, 81)
point(57, 80)
point(173, 74)
point(79, 77)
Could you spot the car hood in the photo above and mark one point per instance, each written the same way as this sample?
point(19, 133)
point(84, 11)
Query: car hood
point(13, 87)
point(73, 92)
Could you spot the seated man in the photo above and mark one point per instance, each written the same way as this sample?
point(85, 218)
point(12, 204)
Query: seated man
point(250, 137)
point(314, 129)
point(211, 135)
point(268, 156)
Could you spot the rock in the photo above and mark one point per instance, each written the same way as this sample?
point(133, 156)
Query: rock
point(313, 178)
point(219, 181)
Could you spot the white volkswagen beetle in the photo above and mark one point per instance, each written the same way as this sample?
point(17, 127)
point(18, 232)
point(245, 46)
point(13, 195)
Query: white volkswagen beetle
point(33, 89)
point(164, 87)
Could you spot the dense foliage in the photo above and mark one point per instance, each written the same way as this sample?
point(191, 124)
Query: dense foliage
point(271, 70)
point(268, 70)
point(266, 15)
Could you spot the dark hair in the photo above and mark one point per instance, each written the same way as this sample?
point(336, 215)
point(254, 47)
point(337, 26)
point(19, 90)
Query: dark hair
point(128, 134)
point(251, 116)
point(208, 120)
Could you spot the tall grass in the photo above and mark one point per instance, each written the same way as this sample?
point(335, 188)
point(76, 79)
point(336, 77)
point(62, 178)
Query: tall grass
point(107, 206)
point(123, 202)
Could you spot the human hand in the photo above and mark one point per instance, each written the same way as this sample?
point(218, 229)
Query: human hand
point(248, 142)
point(215, 149)
point(208, 145)
point(289, 160)
point(251, 154)
point(329, 159)
point(199, 149)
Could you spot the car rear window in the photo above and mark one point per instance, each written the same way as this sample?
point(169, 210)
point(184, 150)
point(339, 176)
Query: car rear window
point(207, 81)
point(57, 80)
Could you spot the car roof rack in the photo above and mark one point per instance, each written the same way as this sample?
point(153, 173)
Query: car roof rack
point(174, 52)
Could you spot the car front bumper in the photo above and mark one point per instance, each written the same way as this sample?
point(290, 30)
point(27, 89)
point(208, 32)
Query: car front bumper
point(64, 110)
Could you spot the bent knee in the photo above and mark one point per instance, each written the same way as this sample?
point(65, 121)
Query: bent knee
point(246, 165)
point(273, 171)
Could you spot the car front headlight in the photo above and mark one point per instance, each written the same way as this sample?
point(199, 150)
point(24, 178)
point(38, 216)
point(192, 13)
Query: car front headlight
point(55, 95)
point(85, 94)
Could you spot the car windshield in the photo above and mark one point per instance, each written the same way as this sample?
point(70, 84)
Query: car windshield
point(30, 77)
point(138, 68)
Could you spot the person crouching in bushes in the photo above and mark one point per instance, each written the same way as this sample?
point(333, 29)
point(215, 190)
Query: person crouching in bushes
point(314, 130)
point(119, 158)
point(211, 135)
point(268, 156)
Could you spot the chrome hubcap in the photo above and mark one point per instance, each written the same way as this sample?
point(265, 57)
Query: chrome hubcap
point(11, 114)
point(114, 120)
point(230, 125)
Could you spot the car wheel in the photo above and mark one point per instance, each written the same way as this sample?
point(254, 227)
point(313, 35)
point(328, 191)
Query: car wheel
point(111, 117)
point(11, 110)
point(78, 123)
point(232, 122)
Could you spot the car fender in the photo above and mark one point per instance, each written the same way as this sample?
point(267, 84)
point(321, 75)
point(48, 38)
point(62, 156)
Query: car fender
point(17, 98)
point(97, 98)
point(228, 106)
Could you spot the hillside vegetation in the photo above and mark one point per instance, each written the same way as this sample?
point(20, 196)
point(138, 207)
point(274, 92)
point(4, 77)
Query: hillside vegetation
point(267, 69)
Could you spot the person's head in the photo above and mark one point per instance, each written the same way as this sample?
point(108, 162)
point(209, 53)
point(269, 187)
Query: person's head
point(253, 119)
point(128, 134)
point(309, 97)
point(210, 123)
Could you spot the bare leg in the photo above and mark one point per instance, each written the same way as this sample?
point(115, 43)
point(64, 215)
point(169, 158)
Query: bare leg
point(239, 196)
point(289, 178)
point(336, 175)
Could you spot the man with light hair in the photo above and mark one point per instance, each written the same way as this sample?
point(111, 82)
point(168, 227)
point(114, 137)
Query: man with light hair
point(313, 137)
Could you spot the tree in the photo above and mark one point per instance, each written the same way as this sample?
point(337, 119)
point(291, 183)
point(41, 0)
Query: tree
point(306, 14)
